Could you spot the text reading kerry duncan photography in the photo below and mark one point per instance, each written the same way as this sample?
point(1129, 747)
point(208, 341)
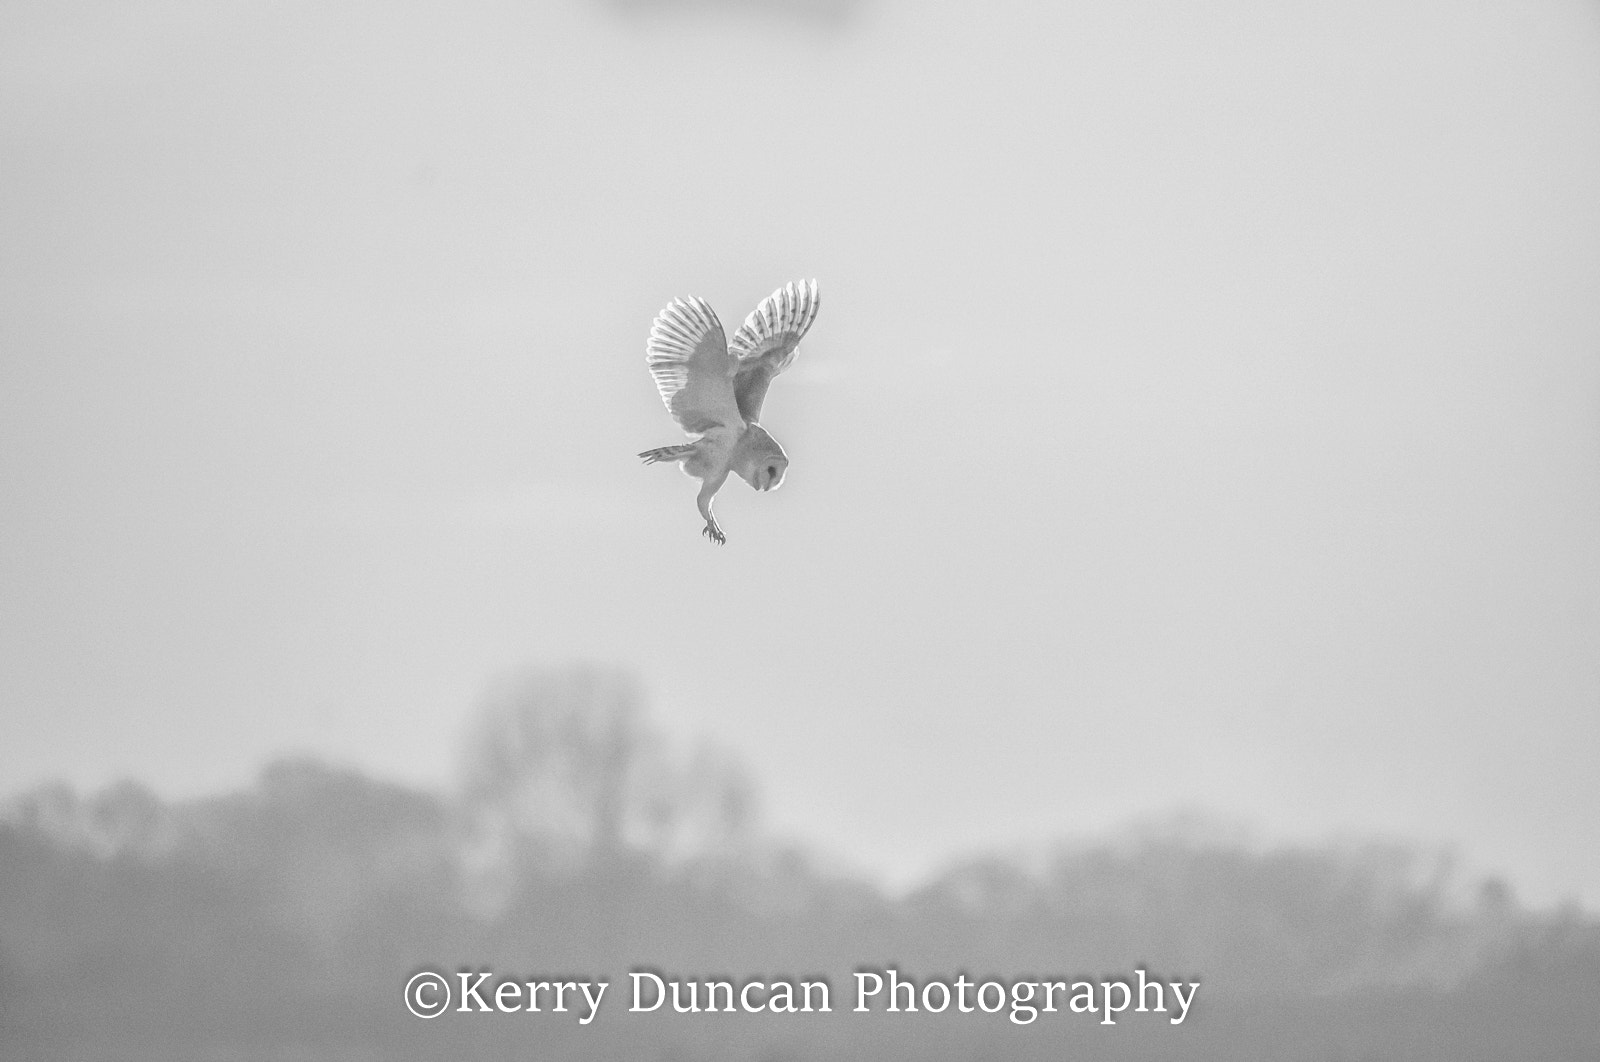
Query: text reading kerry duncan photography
point(429, 994)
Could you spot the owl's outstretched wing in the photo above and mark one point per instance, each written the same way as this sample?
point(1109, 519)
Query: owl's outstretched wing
point(688, 357)
point(765, 344)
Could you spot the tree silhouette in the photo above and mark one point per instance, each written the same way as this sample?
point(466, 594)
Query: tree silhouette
point(564, 775)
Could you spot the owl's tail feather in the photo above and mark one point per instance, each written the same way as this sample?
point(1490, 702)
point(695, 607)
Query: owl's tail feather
point(667, 453)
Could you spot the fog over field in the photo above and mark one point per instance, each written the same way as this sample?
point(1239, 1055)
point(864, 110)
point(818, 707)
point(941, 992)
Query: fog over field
point(593, 889)
point(1187, 555)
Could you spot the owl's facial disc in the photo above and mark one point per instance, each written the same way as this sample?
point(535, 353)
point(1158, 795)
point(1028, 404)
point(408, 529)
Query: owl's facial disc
point(761, 465)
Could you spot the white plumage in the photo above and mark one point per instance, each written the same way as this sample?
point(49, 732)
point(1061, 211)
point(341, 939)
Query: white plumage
point(714, 389)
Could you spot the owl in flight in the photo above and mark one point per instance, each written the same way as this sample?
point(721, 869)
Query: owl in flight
point(714, 388)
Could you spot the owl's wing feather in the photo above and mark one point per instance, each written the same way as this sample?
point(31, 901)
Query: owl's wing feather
point(688, 357)
point(765, 344)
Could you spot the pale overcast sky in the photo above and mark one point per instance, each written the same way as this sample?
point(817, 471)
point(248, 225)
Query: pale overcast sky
point(1204, 411)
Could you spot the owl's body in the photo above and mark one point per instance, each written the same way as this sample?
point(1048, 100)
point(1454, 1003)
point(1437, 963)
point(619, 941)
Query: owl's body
point(714, 389)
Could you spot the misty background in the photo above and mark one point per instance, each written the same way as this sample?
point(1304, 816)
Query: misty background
point(279, 920)
point(1202, 425)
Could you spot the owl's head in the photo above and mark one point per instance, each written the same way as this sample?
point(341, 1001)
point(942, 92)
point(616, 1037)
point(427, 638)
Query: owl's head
point(759, 460)
point(768, 475)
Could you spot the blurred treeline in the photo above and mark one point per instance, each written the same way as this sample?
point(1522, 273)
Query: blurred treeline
point(282, 921)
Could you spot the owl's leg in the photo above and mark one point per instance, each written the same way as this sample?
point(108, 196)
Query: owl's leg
point(708, 490)
point(667, 453)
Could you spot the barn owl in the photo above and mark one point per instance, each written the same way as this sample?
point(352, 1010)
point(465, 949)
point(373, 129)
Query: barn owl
point(714, 388)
